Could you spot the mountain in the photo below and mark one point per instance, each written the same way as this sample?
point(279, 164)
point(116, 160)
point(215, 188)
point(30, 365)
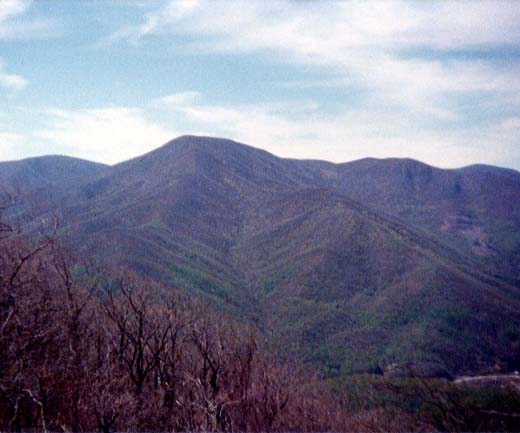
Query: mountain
point(354, 267)
point(54, 170)
point(475, 208)
point(44, 179)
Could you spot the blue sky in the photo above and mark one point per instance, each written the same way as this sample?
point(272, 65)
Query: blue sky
point(110, 80)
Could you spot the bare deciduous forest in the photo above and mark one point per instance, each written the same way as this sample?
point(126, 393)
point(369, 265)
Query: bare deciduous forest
point(84, 353)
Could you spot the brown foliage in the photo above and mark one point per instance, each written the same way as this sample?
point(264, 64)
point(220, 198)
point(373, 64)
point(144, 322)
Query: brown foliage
point(84, 353)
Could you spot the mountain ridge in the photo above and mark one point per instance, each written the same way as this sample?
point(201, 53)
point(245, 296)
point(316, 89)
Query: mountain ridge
point(196, 141)
point(326, 257)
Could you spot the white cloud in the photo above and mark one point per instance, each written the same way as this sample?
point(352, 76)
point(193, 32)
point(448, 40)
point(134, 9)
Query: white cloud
point(405, 56)
point(109, 135)
point(12, 8)
point(511, 123)
point(292, 128)
point(14, 26)
point(179, 98)
point(324, 31)
point(174, 10)
point(365, 42)
point(348, 135)
point(11, 81)
point(30, 29)
point(8, 143)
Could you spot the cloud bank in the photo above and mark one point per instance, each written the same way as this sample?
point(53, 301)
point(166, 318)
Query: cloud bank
point(432, 75)
point(435, 81)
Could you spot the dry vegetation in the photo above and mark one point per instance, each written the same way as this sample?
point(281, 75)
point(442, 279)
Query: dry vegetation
point(83, 353)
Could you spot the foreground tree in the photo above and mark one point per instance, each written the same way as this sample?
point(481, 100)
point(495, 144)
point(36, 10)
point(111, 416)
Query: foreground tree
point(86, 351)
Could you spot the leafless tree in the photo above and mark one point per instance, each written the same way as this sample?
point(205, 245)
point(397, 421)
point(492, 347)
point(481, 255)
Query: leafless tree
point(85, 350)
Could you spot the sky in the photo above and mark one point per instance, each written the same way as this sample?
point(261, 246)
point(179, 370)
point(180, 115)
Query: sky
point(437, 81)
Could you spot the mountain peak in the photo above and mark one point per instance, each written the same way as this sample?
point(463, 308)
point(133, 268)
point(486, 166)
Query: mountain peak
point(211, 145)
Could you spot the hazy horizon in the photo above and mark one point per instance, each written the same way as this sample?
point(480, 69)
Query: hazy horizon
point(62, 155)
